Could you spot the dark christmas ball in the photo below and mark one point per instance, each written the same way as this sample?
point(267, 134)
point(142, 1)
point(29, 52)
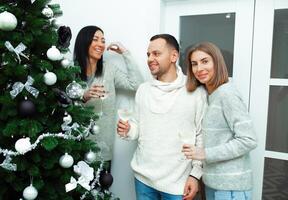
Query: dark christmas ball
point(62, 97)
point(26, 108)
point(64, 36)
point(105, 180)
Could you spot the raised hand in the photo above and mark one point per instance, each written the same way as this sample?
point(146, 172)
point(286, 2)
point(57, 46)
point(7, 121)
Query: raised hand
point(117, 47)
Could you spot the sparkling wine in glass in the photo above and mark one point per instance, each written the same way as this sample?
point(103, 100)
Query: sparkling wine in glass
point(186, 137)
point(99, 81)
point(125, 114)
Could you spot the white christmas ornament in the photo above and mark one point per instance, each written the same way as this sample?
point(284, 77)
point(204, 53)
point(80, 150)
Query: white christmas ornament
point(90, 157)
point(56, 23)
point(23, 145)
point(95, 129)
point(47, 12)
point(66, 161)
point(30, 193)
point(50, 78)
point(65, 63)
point(54, 54)
point(8, 21)
point(67, 119)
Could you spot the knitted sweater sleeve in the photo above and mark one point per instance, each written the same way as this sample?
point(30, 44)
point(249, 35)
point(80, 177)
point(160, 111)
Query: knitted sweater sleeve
point(200, 106)
point(130, 80)
point(241, 127)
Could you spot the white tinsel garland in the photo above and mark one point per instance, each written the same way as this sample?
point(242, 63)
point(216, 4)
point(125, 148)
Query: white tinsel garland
point(6, 164)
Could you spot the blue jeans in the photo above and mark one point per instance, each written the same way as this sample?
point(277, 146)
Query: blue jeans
point(212, 194)
point(144, 192)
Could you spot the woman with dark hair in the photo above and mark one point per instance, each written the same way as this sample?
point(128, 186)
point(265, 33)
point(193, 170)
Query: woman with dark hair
point(103, 78)
point(228, 132)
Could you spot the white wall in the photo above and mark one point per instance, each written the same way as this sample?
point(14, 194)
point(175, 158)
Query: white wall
point(132, 23)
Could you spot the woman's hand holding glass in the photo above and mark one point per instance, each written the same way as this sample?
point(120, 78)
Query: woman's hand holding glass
point(95, 91)
point(194, 153)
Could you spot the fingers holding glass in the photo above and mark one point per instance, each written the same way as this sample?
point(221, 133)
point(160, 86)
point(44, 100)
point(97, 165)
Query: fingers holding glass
point(123, 128)
point(187, 138)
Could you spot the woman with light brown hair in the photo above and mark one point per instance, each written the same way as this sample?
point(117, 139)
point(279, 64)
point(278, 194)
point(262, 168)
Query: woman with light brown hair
point(227, 128)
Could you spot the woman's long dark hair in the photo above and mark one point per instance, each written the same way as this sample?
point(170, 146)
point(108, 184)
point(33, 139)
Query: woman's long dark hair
point(81, 48)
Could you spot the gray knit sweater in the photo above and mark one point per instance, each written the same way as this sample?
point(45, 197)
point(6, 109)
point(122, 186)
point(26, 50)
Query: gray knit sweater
point(114, 78)
point(229, 137)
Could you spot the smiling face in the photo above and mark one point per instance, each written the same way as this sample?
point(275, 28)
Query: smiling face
point(97, 46)
point(161, 58)
point(202, 67)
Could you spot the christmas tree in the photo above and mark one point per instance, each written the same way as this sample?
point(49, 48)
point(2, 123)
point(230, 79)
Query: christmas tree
point(43, 125)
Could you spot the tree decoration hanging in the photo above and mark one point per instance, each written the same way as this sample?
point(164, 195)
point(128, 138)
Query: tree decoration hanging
point(30, 193)
point(50, 78)
point(74, 90)
point(26, 108)
point(54, 54)
point(64, 36)
point(23, 145)
point(65, 63)
point(66, 160)
point(8, 21)
point(47, 12)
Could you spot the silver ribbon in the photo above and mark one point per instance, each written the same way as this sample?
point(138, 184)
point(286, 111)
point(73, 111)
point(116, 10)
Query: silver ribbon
point(18, 87)
point(68, 129)
point(18, 50)
point(8, 165)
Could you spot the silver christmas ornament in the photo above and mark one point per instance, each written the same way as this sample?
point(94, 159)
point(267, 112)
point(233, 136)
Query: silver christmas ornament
point(74, 90)
point(95, 129)
point(54, 54)
point(50, 78)
point(8, 21)
point(65, 63)
point(47, 12)
point(30, 193)
point(66, 161)
point(90, 157)
point(56, 23)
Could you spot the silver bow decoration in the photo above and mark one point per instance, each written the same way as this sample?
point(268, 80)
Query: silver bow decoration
point(86, 176)
point(73, 184)
point(18, 50)
point(68, 129)
point(18, 87)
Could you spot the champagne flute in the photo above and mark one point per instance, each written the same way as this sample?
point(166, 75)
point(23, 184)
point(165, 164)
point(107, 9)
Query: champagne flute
point(100, 81)
point(186, 137)
point(125, 114)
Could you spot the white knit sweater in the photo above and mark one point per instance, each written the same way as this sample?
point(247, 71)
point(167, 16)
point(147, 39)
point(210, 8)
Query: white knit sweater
point(162, 111)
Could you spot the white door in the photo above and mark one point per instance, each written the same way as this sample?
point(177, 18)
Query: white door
point(228, 23)
point(259, 48)
point(269, 98)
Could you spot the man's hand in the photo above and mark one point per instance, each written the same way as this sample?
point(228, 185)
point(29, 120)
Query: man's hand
point(191, 188)
point(123, 128)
